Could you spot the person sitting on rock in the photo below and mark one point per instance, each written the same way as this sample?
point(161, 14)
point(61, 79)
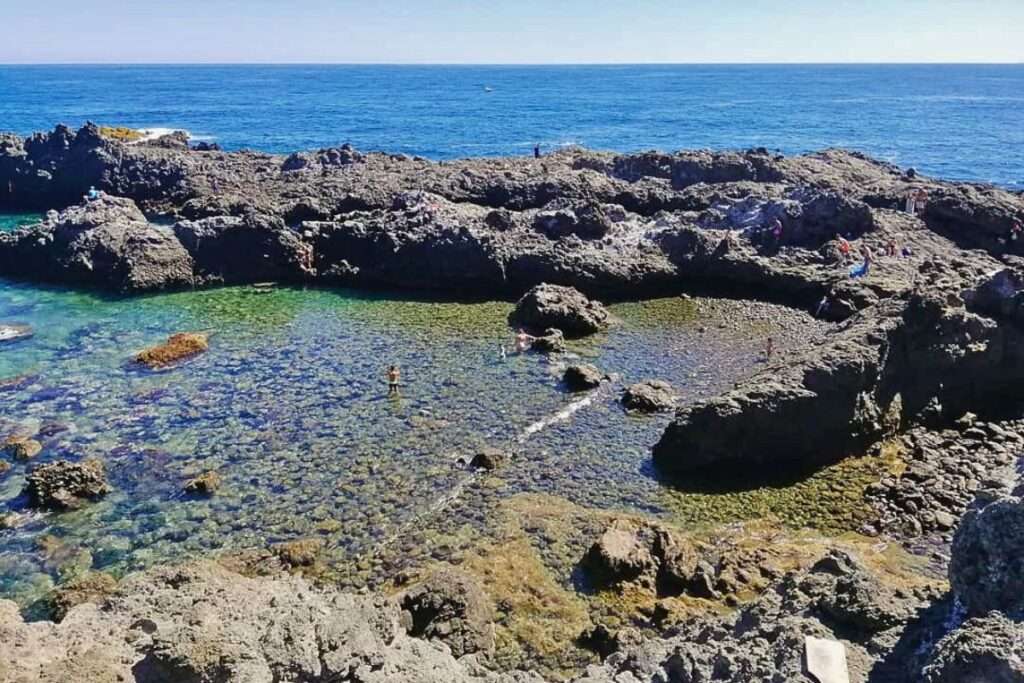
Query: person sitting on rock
point(844, 248)
point(863, 268)
point(394, 379)
point(1016, 231)
point(891, 247)
point(522, 342)
point(93, 194)
point(777, 231)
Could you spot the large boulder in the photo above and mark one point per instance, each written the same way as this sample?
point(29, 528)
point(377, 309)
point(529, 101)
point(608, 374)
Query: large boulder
point(983, 650)
point(622, 553)
point(449, 606)
point(986, 566)
point(103, 243)
point(64, 485)
point(564, 308)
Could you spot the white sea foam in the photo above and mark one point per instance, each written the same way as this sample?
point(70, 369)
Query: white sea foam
point(150, 134)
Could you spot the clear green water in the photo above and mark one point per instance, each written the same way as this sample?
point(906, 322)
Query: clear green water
point(13, 221)
point(290, 406)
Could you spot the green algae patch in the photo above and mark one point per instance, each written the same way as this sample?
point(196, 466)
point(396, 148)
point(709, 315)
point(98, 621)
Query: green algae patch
point(121, 133)
point(538, 618)
point(658, 313)
point(829, 500)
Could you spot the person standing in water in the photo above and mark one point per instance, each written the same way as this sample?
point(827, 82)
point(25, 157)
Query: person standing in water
point(522, 342)
point(394, 379)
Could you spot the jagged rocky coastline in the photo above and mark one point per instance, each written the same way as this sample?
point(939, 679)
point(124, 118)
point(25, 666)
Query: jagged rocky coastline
point(926, 355)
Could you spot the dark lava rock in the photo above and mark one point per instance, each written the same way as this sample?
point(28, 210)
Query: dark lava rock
point(552, 341)
point(983, 650)
point(64, 485)
point(205, 484)
point(582, 377)
point(449, 606)
point(588, 221)
point(563, 308)
point(106, 242)
point(620, 554)
point(489, 459)
point(986, 567)
point(649, 396)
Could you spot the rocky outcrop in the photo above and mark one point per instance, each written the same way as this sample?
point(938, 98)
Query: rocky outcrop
point(563, 308)
point(13, 332)
point(201, 622)
point(102, 243)
point(649, 396)
point(450, 607)
point(986, 567)
point(64, 485)
point(983, 650)
point(838, 599)
point(582, 377)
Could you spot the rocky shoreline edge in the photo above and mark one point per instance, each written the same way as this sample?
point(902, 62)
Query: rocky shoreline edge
point(929, 336)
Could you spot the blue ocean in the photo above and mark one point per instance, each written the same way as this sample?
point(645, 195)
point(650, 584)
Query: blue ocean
point(956, 121)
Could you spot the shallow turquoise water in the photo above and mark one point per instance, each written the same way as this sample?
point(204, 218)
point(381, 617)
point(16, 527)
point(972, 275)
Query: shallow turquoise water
point(290, 406)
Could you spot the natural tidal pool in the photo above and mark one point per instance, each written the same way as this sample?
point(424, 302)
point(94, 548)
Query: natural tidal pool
point(290, 406)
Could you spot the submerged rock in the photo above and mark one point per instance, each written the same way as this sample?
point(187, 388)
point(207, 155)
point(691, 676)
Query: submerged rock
point(177, 347)
point(563, 308)
point(489, 459)
point(12, 332)
point(299, 553)
point(582, 377)
point(649, 396)
point(5, 467)
point(64, 485)
point(449, 606)
point(205, 484)
point(21, 448)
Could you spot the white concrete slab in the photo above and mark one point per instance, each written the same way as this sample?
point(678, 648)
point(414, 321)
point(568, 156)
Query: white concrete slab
point(826, 660)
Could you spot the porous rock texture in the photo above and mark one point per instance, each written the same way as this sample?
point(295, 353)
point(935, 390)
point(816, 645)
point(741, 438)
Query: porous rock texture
point(202, 622)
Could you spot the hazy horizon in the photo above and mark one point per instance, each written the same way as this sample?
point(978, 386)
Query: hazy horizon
point(529, 32)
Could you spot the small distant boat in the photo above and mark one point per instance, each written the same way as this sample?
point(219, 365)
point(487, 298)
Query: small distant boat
point(488, 88)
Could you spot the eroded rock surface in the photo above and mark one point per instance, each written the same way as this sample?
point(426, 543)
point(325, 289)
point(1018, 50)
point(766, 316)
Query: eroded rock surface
point(64, 485)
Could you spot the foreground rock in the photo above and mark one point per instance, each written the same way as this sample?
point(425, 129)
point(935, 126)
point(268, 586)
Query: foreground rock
point(450, 607)
point(986, 650)
point(986, 568)
point(838, 599)
point(21, 448)
point(178, 347)
point(201, 622)
point(563, 308)
point(64, 485)
point(206, 484)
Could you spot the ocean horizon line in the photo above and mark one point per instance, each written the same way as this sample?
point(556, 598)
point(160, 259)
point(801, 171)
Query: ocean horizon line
point(499, 64)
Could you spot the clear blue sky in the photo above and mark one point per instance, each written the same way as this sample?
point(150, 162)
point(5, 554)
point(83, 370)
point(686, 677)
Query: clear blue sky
point(517, 31)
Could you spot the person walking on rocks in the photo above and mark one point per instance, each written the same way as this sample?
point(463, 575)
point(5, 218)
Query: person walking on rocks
point(536, 151)
point(911, 205)
point(394, 380)
point(769, 349)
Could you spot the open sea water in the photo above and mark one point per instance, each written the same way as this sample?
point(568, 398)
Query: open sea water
point(962, 122)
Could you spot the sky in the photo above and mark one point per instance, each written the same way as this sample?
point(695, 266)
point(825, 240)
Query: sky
point(514, 32)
